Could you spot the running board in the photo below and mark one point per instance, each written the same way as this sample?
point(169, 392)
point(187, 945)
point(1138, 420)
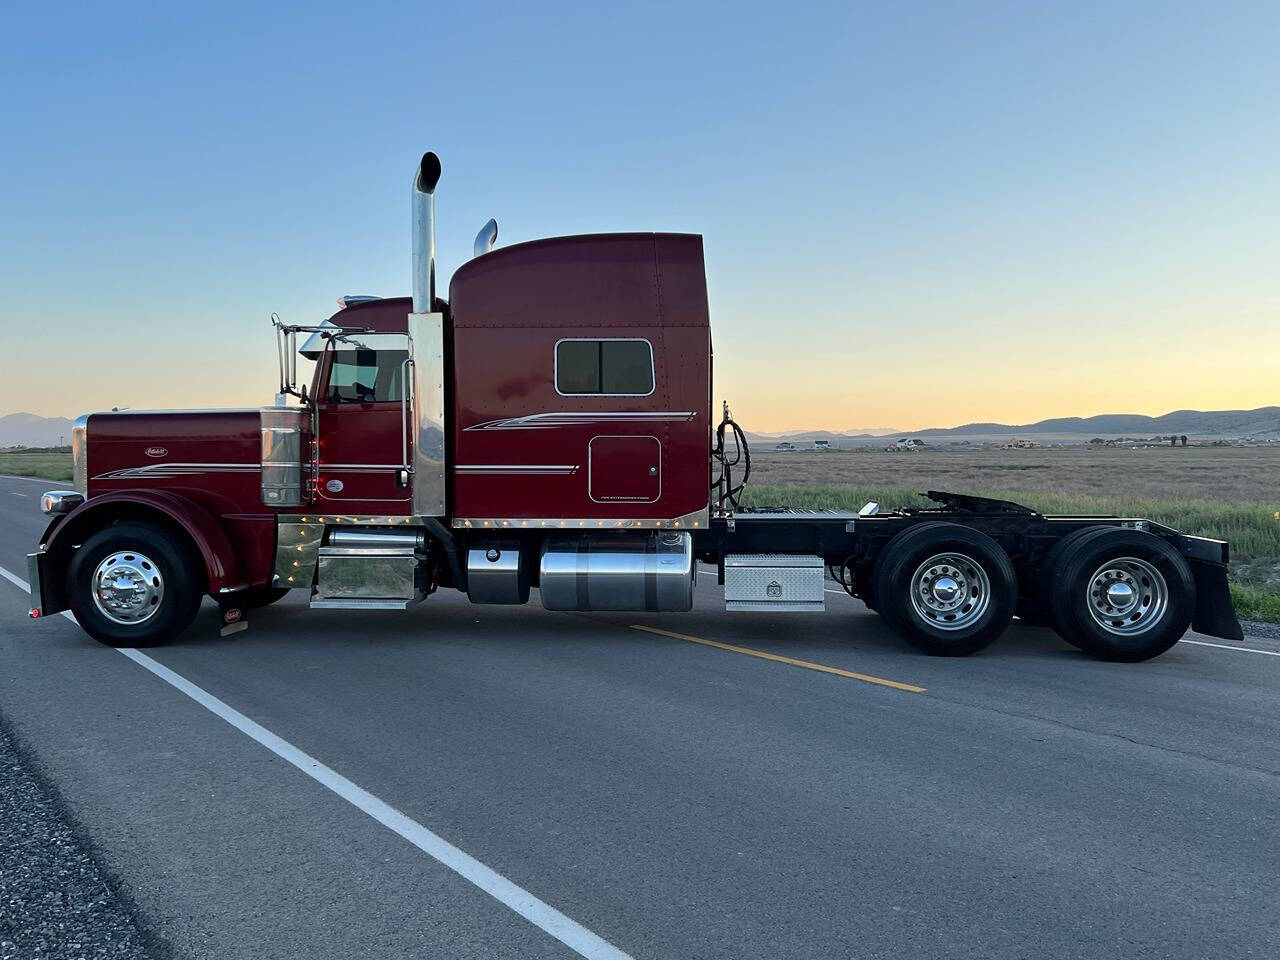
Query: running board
point(361, 603)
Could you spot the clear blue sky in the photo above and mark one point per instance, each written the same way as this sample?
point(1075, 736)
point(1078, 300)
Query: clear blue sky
point(915, 214)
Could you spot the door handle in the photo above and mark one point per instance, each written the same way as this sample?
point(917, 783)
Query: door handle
point(402, 478)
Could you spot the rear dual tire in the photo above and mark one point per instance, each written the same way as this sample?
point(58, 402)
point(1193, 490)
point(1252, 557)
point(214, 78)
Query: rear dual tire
point(1119, 594)
point(946, 589)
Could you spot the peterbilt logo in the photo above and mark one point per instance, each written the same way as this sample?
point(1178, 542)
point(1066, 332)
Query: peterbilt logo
point(334, 486)
point(157, 452)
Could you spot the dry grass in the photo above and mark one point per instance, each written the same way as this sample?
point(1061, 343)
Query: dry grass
point(1230, 493)
point(1206, 473)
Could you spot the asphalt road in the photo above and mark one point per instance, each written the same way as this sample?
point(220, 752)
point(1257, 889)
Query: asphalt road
point(673, 798)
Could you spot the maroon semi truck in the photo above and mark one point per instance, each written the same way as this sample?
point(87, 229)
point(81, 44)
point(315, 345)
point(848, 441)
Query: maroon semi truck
point(550, 425)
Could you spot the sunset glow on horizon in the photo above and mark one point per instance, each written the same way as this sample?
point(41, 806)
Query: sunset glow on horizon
point(912, 218)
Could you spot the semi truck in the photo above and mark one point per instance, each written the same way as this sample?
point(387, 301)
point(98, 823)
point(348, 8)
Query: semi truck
point(550, 425)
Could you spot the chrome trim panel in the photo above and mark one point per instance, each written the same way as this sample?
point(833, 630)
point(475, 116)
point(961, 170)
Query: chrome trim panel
point(297, 546)
point(348, 520)
point(362, 466)
point(367, 573)
point(504, 469)
point(555, 365)
point(360, 603)
point(80, 454)
point(697, 520)
point(567, 418)
point(426, 350)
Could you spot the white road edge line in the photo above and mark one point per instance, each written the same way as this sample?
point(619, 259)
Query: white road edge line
point(1227, 646)
point(542, 915)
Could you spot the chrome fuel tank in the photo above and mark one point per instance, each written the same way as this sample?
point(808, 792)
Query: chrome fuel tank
point(621, 571)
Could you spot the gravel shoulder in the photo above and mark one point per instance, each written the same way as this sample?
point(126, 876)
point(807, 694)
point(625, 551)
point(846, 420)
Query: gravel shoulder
point(55, 900)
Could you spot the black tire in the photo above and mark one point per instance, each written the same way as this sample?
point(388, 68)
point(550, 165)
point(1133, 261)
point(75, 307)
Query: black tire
point(255, 598)
point(175, 585)
point(1044, 578)
point(983, 611)
point(1142, 566)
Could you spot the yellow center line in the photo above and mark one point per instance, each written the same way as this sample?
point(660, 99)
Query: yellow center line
point(808, 665)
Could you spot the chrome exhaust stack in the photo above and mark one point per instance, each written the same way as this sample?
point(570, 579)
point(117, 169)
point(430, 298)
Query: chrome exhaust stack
point(485, 239)
point(425, 179)
point(422, 402)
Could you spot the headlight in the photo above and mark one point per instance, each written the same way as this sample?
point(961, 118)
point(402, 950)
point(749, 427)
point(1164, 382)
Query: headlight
point(60, 501)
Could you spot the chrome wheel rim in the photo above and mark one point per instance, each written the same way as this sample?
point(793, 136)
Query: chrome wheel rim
point(127, 587)
point(1127, 596)
point(950, 591)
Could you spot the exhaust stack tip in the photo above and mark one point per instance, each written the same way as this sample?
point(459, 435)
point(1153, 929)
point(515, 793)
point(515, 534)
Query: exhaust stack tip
point(424, 232)
point(428, 172)
point(485, 239)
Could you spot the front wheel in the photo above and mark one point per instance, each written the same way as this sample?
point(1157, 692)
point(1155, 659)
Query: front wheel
point(134, 585)
point(1122, 595)
point(947, 589)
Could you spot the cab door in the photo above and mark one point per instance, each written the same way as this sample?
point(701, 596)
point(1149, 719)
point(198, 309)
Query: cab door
point(361, 436)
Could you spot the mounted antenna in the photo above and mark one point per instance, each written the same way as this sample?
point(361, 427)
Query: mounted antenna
point(486, 238)
point(425, 179)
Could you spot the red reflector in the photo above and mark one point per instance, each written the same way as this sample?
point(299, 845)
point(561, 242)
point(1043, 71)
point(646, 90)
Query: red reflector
point(35, 613)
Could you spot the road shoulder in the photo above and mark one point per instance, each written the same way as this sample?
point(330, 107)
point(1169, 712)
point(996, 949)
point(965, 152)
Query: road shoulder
point(55, 898)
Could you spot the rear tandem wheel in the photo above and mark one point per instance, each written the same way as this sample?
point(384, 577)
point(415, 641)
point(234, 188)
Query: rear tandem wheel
point(1119, 594)
point(947, 589)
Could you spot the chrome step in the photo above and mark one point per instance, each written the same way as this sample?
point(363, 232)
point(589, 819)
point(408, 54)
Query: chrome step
point(361, 603)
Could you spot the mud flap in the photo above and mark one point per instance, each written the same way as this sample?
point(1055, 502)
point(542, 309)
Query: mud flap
point(48, 593)
point(1215, 615)
point(233, 618)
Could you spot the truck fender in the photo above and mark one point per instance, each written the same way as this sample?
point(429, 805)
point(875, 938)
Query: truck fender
point(153, 506)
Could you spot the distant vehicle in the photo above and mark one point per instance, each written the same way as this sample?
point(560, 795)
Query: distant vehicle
point(550, 425)
point(1021, 445)
point(910, 444)
point(822, 444)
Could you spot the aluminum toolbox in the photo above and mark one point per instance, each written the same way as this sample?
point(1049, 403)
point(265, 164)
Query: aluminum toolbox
point(771, 581)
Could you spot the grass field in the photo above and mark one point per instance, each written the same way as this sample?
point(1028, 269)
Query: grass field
point(51, 462)
point(1231, 493)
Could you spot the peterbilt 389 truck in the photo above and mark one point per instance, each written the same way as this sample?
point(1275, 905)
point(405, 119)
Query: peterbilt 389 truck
point(550, 425)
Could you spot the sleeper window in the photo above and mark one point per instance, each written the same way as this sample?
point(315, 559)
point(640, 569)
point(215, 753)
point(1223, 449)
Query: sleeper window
point(604, 367)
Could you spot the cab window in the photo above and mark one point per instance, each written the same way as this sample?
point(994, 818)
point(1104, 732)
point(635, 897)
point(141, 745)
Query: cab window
point(617, 368)
point(366, 376)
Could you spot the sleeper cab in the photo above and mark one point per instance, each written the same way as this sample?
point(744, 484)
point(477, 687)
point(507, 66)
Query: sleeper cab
point(581, 392)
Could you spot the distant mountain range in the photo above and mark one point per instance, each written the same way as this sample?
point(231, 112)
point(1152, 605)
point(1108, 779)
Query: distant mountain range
point(29, 430)
point(1262, 422)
